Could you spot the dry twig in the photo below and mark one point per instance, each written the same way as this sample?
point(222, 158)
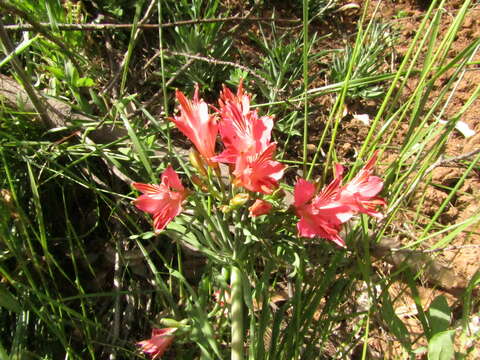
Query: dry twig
point(109, 26)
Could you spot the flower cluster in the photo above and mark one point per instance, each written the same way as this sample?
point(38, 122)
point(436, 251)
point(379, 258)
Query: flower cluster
point(245, 136)
point(322, 214)
point(247, 148)
point(250, 154)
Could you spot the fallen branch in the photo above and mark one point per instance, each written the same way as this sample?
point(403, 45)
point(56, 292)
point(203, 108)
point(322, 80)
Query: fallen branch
point(110, 26)
point(419, 261)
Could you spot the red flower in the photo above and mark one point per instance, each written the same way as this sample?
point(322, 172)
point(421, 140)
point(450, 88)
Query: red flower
point(360, 193)
point(159, 342)
point(320, 215)
point(259, 173)
point(260, 207)
point(242, 131)
point(197, 124)
point(163, 201)
point(323, 214)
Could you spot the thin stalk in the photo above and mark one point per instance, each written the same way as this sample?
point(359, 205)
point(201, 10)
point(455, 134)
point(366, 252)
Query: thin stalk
point(340, 103)
point(162, 71)
point(131, 45)
point(181, 290)
point(336, 113)
point(237, 313)
point(305, 83)
point(365, 339)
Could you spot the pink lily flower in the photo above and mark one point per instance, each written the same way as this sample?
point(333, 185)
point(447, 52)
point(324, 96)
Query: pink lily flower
point(323, 214)
point(159, 342)
point(260, 207)
point(197, 124)
point(163, 201)
point(259, 173)
point(320, 215)
point(360, 193)
point(242, 131)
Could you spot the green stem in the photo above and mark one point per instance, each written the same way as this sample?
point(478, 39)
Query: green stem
point(305, 84)
point(162, 70)
point(237, 313)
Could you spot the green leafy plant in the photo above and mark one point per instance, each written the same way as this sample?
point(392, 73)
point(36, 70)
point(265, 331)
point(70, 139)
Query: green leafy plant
point(375, 53)
point(201, 40)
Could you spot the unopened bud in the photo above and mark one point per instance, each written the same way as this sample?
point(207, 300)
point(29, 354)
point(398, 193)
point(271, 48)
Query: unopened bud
point(197, 181)
point(225, 209)
point(197, 162)
point(171, 323)
point(260, 207)
point(239, 200)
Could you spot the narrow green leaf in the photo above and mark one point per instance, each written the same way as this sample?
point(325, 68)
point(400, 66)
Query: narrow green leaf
point(38, 208)
point(138, 146)
point(467, 299)
point(56, 71)
point(18, 50)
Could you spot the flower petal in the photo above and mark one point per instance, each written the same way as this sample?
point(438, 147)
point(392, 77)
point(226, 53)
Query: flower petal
point(171, 179)
point(303, 192)
point(146, 188)
point(150, 203)
point(197, 124)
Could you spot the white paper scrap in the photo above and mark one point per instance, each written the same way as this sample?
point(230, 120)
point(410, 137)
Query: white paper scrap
point(463, 127)
point(363, 118)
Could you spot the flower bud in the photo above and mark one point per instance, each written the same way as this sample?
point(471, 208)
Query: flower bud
point(260, 207)
point(197, 181)
point(225, 209)
point(239, 200)
point(197, 162)
point(171, 323)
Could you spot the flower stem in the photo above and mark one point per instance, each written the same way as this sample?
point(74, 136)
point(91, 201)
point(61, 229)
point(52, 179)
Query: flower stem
point(237, 313)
